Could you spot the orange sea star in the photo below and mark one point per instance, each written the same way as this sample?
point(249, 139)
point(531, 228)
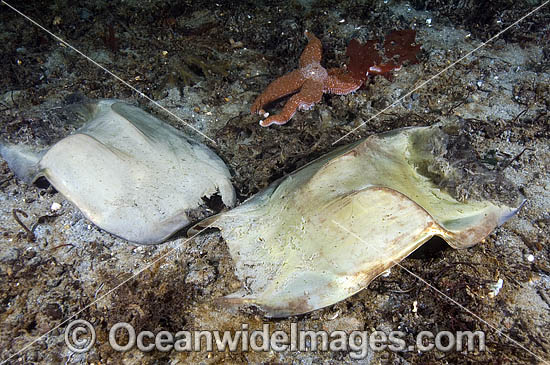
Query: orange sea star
point(310, 81)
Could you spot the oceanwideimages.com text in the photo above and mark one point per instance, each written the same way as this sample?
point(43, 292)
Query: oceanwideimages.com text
point(123, 337)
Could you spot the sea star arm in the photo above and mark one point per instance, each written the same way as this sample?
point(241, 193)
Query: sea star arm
point(313, 51)
point(340, 82)
point(280, 87)
point(311, 93)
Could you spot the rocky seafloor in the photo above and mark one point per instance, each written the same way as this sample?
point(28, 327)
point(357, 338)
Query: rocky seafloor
point(206, 62)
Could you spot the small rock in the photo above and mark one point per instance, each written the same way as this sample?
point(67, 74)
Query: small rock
point(11, 98)
point(55, 207)
point(35, 261)
point(10, 256)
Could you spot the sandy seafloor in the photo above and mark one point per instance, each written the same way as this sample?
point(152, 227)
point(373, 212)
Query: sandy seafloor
point(206, 62)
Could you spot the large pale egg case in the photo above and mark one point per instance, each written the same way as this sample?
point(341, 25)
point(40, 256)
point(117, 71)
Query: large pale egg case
point(322, 233)
point(127, 171)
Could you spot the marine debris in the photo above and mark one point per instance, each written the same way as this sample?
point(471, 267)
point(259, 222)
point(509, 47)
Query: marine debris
point(128, 172)
point(327, 230)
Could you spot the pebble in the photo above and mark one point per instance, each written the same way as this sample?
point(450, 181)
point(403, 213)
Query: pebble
point(35, 261)
point(11, 255)
point(11, 98)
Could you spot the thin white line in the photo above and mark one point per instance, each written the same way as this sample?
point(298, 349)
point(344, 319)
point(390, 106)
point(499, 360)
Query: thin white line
point(442, 71)
point(449, 298)
point(107, 294)
point(109, 72)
